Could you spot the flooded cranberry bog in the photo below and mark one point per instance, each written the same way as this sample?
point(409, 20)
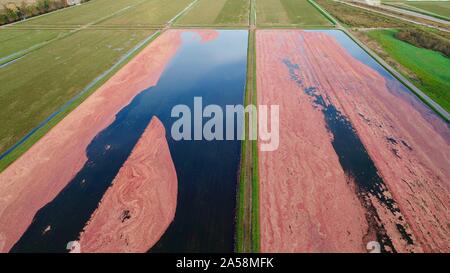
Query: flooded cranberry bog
point(361, 160)
point(47, 203)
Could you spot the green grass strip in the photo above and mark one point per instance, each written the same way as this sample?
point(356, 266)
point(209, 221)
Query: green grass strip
point(255, 175)
point(240, 245)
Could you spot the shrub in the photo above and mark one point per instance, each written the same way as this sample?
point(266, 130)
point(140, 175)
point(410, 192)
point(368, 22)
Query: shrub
point(26, 10)
point(11, 12)
point(3, 18)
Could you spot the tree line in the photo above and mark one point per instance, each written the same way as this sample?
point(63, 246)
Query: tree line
point(11, 12)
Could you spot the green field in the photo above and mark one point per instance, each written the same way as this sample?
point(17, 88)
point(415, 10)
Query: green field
point(432, 69)
point(37, 85)
point(288, 13)
point(149, 12)
point(16, 41)
point(87, 13)
point(440, 8)
point(217, 13)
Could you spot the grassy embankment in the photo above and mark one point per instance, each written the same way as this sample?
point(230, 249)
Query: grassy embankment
point(217, 13)
point(255, 165)
point(247, 224)
point(421, 69)
point(289, 13)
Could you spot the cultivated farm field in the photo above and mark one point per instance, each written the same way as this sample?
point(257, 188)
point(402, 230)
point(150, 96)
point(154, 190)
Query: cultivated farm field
point(91, 12)
point(147, 13)
point(14, 41)
point(217, 13)
point(288, 13)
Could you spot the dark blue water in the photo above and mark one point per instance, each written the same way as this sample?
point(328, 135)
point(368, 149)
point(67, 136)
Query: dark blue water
point(354, 159)
point(207, 170)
